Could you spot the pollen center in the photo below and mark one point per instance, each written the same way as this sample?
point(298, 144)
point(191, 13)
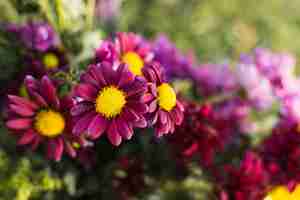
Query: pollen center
point(49, 123)
point(282, 192)
point(110, 101)
point(134, 61)
point(50, 61)
point(166, 97)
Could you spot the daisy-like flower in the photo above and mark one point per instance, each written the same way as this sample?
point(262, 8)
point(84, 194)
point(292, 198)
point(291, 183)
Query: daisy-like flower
point(127, 48)
point(165, 111)
point(42, 119)
point(109, 101)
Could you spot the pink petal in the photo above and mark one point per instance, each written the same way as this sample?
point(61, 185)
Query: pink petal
point(81, 108)
point(82, 124)
point(23, 102)
point(113, 134)
point(86, 91)
point(125, 129)
point(19, 124)
point(27, 137)
point(49, 91)
point(97, 127)
point(22, 110)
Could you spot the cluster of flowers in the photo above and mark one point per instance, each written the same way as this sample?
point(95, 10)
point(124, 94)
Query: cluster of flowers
point(126, 87)
point(121, 90)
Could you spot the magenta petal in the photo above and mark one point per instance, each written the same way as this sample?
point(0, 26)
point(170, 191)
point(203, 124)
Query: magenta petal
point(88, 78)
point(82, 124)
point(39, 99)
point(152, 106)
point(162, 116)
point(19, 124)
point(49, 91)
point(137, 87)
point(108, 72)
point(98, 73)
point(138, 107)
point(31, 83)
point(177, 116)
point(113, 134)
point(125, 129)
point(81, 108)
point(130, 115)
point(147, 98)
point(141, 123)
point(180, 106)
point(22, 110)
point(59, 148)
point(126, 77)
point(27, 137)
point(35, 142)
point(97, 127)
point(70, 150)
point(86, 91)
point(23, 102)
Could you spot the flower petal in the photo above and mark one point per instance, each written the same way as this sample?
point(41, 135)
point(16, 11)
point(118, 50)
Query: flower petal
point(19, 124)
point(48, 91)
point(82, 124)
point(81, 108)
point(86, 91)
point(138, 107)
point(162, 116)
point(22, 110)
point(27, 137)
point(125, 129)
point(113, 134)
point(97, 127)
point(23, 102)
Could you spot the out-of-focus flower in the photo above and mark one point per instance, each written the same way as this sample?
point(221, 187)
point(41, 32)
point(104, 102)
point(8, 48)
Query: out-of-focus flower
point(165, 111)
point(257, 87)
point(213, 79)
point(127, 48)
point(109, 100)
point(47, 62)
point(37, 36)
point(282, 192)
point(246, 182)
point(129, 179)
point(108, 10)
point(175, 63)
point(42, 119)
point(202, 133)
point(281, 153)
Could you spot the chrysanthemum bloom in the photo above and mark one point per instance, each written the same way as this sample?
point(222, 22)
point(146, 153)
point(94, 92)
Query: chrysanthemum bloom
point(127, 48)
point(282, 192)
point(36, 36)
point(281, 153)
point(42, 119)
point(247, 182)
point(176, 64)
point(109, 100)
point(47, 62)
point(165, 111)
point(202, 134)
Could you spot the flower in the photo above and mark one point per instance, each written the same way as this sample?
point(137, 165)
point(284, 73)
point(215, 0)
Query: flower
point(176, 64)
point(246, 182)
point(109, 100)
point(38, 36)
point(47, 62)
point(202, 134)
point(127, 48)
point(281, 153)
point(165, 111)
point(43, 118)
point(282, 192)
point(213, 79)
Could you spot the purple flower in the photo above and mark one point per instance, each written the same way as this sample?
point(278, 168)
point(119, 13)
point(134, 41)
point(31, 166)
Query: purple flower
point(165, 111)
point(109, 101)
point(175, 63)
point(212, 79)
point(37, 36)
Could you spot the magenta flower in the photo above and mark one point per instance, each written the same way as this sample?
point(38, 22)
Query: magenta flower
point(127, 48)
point(165, 111)
point(249, 181)
point(42, 119)
point(109, 101)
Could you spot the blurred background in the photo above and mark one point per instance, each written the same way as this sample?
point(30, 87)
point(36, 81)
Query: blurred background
point(216, 30)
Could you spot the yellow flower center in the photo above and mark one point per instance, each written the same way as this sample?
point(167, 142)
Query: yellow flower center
point(110, 101)
point(134, 61)
point(50, 61)
point(166, 97)
point(282, 193)
point(49, 123)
